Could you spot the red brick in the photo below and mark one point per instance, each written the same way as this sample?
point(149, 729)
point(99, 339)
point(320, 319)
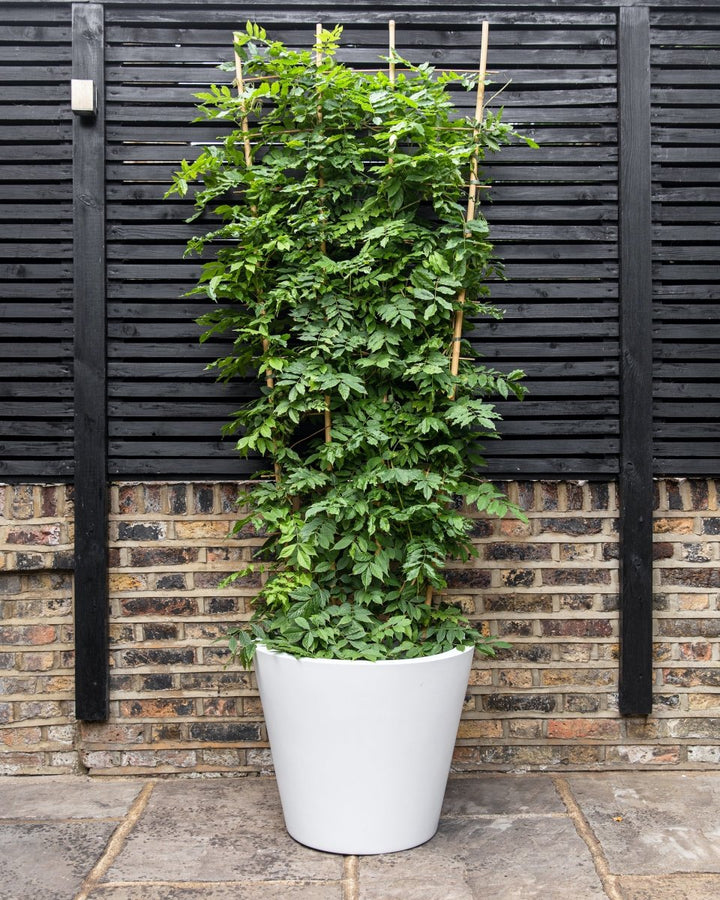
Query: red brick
point(575, 729)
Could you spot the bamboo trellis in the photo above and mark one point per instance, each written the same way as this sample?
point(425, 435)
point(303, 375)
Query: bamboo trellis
point(244, 125)
point(321, 184)
point(472, 195)
point(471, 203)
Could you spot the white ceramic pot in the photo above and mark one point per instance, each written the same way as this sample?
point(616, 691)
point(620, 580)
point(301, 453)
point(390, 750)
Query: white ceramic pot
point(362, 750)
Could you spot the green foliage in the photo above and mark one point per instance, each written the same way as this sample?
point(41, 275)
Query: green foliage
point(337, 265)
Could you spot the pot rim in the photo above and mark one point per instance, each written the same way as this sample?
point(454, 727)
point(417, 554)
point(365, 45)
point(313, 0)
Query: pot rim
point(262, 649)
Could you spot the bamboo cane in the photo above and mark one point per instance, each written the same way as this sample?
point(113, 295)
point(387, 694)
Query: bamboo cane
point(321, 184)
point(391, 54)
point(472, 196)
point(269, 380)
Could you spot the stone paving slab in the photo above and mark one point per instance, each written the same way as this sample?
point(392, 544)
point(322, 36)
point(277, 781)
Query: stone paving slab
point(499, 857)
point(498, 795)
point(575, 836)
point(673, 887)
point(65, 796)
point(41, 861)
point(217, 830)
point(653, 823)
point(227, 891)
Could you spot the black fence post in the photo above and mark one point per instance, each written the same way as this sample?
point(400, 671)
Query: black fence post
point(91, 491)
point(636, 482)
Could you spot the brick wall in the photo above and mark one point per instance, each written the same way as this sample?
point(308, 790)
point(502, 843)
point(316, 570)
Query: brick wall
point(550, 587)
point(37, 726)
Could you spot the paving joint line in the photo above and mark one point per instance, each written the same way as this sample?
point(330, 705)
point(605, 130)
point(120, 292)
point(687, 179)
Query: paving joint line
point(607, 878)
point(116, 842)
point(351, 879)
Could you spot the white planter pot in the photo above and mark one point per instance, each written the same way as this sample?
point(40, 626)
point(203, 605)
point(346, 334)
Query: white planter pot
point(362, 750)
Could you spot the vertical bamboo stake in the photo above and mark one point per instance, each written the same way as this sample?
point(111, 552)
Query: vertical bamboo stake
point(321, 183)
point(472, 196)
point(269, 380)
point(391, 41)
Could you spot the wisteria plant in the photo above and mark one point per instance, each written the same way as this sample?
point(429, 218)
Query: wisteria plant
point(341, 257)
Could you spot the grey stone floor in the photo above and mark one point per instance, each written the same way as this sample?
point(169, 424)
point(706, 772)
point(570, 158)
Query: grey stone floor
point(631, 835)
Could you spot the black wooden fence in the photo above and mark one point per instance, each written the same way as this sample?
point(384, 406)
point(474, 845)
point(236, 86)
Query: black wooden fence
point(555, 218)
point(608, 231)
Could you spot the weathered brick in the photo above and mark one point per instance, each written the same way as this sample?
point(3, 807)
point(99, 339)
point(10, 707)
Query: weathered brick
point(112, 733)
point(212, 580)
point(160, 631)
point(662, 550)
point(119, 581)
point(203, 498)
point(220, 706)
point(158, 606)
point(22, 505)
point(173, 582)
point(698, 553)
point(30, 635)
point(562, 577)
point(577, 628)
point(524, 729)
point(42, 535)
point(479, 728)
point(481, 528)
point(674, 497)
point(520, 702)
point(20, 737)
point(582, 703)
point(518, 552)
point(9, 584)
point(221, 605)
point(700, 650)
point(576, 601)
point(517, 577)
point(515, 678)
point(225, 732)
point(585, 729)
point(36, 662)
point(142, 531)
point(29, 561)
point(548, 495)
point(202, 530)
point(599, 495)
point(578, 677)
point(571, 525)
point(177, 499)
point(514, 528)
point(691, 577)
point(574, 496)
point(152, 498)
point(129, 498)
point(144, 656)
point(518, 603)
point(156, 708)
point(689, 627)
point(692, 601)
point(709, 677)
point(142, 557)
point(637, 755)
point(517, 627)
point(674, 526)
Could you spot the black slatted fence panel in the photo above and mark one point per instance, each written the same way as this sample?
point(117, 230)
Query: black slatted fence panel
point(554, 218)
point(36, 349)
point(686, 211)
